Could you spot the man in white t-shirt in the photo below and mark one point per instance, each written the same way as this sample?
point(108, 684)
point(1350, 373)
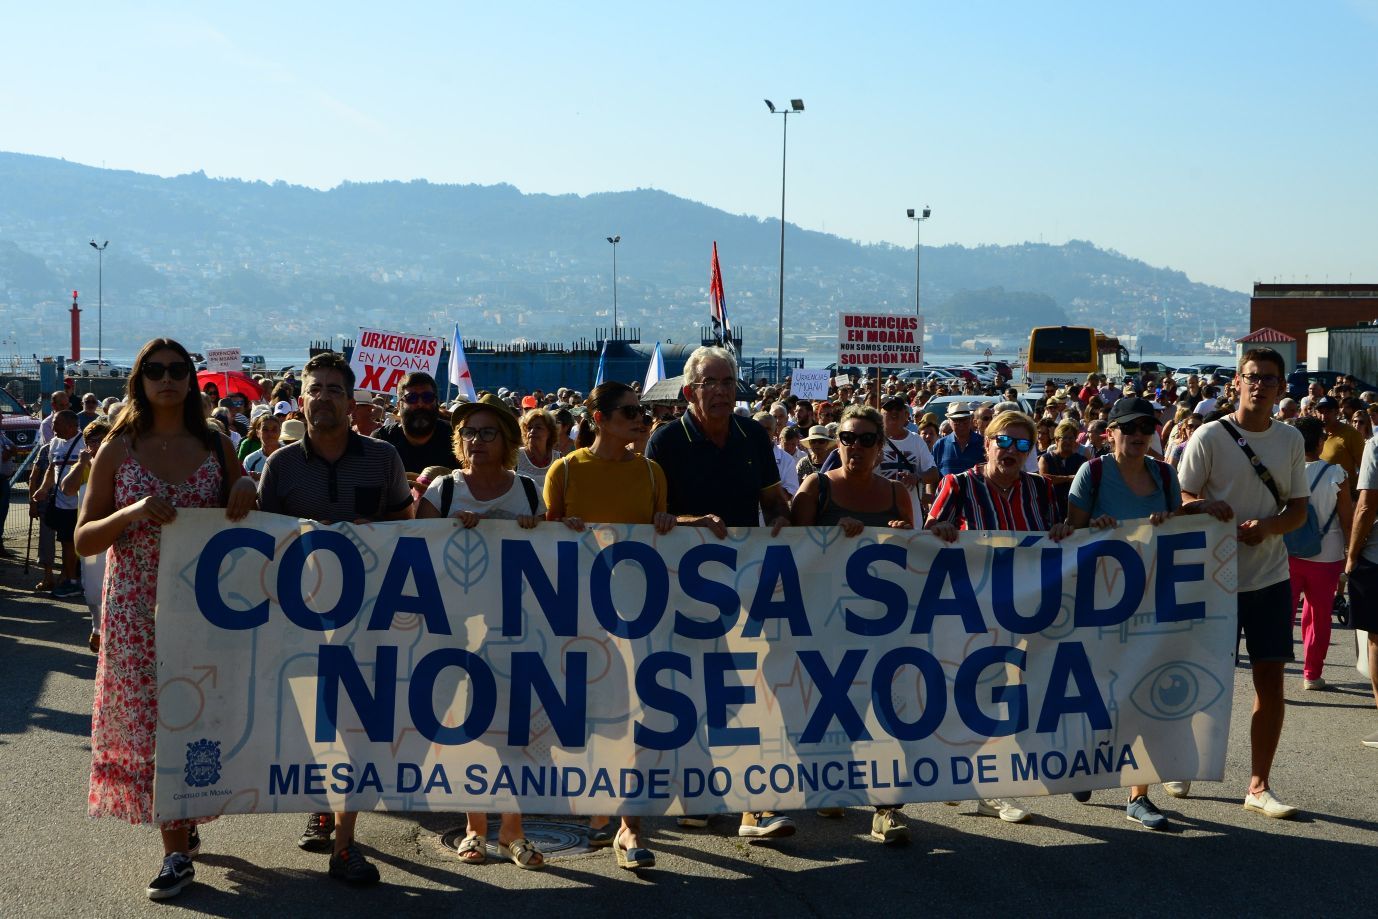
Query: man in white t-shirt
point(60, 509)
point(906, 458)
point(1216, 466)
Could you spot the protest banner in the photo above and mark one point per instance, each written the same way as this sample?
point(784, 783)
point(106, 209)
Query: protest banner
point(223, 360)
point(879, 340)
point(381, 360)
point(420, 666)
point(809, 384)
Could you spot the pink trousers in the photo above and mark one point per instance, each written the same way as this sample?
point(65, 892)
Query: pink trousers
point(1316, 581)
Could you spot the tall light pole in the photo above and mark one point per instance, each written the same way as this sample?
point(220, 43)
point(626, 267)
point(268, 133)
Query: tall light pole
point(614, 240)
point(795, 107)
point(100, 293)
point(918, 239)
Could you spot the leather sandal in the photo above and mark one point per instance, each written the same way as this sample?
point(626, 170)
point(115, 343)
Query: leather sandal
point(472, 850)
point(522, 853)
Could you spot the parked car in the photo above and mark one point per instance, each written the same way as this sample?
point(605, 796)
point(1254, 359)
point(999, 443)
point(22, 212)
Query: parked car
point(1298, 381)
point(253, 363)
point(93, 367)
point(19, 426)
point(939, 405)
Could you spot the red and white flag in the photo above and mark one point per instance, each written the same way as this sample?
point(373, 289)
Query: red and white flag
point(722, 329)
point(459, 368)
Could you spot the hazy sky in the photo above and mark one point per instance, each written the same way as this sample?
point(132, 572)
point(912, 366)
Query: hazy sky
point(1236, 141)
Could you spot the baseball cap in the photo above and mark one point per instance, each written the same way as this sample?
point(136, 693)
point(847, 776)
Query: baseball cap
point(1326, 402)
point(1130, 408)
point(528, 401)
point(282, 408)
point(895, 404)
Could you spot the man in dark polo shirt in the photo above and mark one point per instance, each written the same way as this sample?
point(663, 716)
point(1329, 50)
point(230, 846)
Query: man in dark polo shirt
point(335, 475)
point(422, 437)
point(720, 472)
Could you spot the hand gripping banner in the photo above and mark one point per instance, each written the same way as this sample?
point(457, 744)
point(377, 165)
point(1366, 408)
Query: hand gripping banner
point(419, 666)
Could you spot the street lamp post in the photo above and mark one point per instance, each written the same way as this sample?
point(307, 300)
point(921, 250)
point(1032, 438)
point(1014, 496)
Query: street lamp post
point(796, 106)
point(614, 240)
point(100, 295)
point(918, 239)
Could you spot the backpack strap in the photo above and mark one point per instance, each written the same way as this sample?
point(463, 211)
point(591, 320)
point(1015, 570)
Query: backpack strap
point(1264, 475)
point(825, 487)
point(1097, 465)
point(447, 494)
point(530, 487)
point(1164, 477)
point(1334, 510)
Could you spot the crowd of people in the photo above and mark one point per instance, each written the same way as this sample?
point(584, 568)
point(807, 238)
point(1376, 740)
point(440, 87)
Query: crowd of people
point(1299, 479)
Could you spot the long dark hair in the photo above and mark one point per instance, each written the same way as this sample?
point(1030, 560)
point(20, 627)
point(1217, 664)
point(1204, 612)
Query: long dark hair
point(136, 418)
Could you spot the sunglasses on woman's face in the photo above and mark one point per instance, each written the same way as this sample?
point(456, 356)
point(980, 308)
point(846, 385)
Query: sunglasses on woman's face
point(1005, 441)
point(853, 438)
point(177, 370)
point(634, 413)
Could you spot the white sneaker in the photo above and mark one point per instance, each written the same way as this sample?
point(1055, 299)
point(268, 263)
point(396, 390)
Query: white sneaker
point(1177, 789)
point(1371, 741)
point(1317, 683)
point(1267, 804)
point(1007, 809)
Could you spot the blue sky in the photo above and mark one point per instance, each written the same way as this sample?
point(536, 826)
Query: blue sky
point(1234, 141)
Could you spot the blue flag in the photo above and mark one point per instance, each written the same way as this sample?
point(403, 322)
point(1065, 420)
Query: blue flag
point(602, 361)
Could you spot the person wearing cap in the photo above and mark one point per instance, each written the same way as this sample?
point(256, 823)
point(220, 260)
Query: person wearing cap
point(928, 430)
point(1227, 460)
point(1344, 445)
point(720, 472)
point(334, 475)
point(421, 436)
point(905, 458)
point(366, 418)
point(1129, 484)
point(963, 448)
point(997, 494)
point(818, 444)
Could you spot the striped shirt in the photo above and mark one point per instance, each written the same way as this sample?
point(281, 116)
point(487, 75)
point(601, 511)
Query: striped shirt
point(968, 500)
point(367, 482)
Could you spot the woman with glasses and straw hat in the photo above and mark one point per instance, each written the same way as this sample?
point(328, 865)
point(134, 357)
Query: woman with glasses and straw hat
point(853, 496)
point(486, 440)
point(999, 495)
point(611, 482)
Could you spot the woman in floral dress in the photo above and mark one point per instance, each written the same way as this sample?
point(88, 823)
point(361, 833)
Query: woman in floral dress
point(160, 438)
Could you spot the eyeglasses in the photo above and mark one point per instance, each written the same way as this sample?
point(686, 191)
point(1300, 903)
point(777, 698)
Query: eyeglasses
point(1139, 426)
point(177, 370)
point(334, 391)
point(1261, 379)
point(1005, 441)
point(984, 417)
point(727, 383)
point(634, 413)
point(412, 398)
point(866, 439)
point(486, 435)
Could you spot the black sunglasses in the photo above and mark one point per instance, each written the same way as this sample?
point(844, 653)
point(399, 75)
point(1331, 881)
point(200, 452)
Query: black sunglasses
point(852, 438)
point(634, 413)
point(412, 398)
point(177, 370)
point(1138, 426)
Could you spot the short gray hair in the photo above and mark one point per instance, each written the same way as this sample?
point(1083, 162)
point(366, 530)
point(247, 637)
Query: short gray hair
point(703, 355)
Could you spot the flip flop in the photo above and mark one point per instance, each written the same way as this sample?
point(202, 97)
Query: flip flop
point(523, 854)
point(472, 850)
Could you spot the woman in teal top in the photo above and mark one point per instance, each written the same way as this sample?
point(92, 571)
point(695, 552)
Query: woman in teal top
point(1128, 484)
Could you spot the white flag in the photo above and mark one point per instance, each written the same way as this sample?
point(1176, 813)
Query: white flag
point(459, 369)
point(655, 372)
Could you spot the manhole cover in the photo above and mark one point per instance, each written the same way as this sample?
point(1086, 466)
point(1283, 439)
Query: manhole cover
point(555, 838)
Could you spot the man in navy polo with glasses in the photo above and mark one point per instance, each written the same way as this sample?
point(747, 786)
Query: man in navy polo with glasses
point(422, 437)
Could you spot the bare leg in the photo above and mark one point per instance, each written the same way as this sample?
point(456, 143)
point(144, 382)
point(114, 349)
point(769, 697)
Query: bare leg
point(175, 841)
point(1265, 728)
point(1136, 791)
point(344, 830)
point(631, 832)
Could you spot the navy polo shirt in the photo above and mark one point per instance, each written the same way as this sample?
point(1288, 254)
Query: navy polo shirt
point(951, 459)
point(703, 478)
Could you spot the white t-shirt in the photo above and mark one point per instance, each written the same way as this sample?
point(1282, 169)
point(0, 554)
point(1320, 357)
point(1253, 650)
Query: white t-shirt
point(1205, 407)
point(1323, 498)
point(63, 455)
point(509, 506)
point(907, 454)
point(787, 463)
point(1368, 478)
point(1214, 467)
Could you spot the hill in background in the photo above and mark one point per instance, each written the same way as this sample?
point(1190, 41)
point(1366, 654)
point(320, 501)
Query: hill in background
point(234, 262)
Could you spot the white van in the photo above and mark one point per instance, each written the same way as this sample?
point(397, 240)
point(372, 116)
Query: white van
point(254, 363)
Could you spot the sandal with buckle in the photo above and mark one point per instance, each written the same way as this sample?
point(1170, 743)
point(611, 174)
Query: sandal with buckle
point(472, 850)
point(632, 859)
point(522, 853)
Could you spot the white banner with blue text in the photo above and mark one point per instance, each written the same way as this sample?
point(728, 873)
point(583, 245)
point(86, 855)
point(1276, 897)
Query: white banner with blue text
point(420, 666)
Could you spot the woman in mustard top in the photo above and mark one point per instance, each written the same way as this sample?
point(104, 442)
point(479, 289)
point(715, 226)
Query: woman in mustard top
point(610, 482)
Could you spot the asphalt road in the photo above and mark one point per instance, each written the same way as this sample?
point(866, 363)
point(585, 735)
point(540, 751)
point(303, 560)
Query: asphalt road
point(1071, 859)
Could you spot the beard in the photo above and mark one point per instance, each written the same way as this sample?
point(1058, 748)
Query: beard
point(418, 422)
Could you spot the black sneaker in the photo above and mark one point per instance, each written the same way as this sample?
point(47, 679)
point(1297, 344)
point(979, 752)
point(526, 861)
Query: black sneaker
point(193, 842)
point(316, 838)
point(350, 866)
point(177, 873)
